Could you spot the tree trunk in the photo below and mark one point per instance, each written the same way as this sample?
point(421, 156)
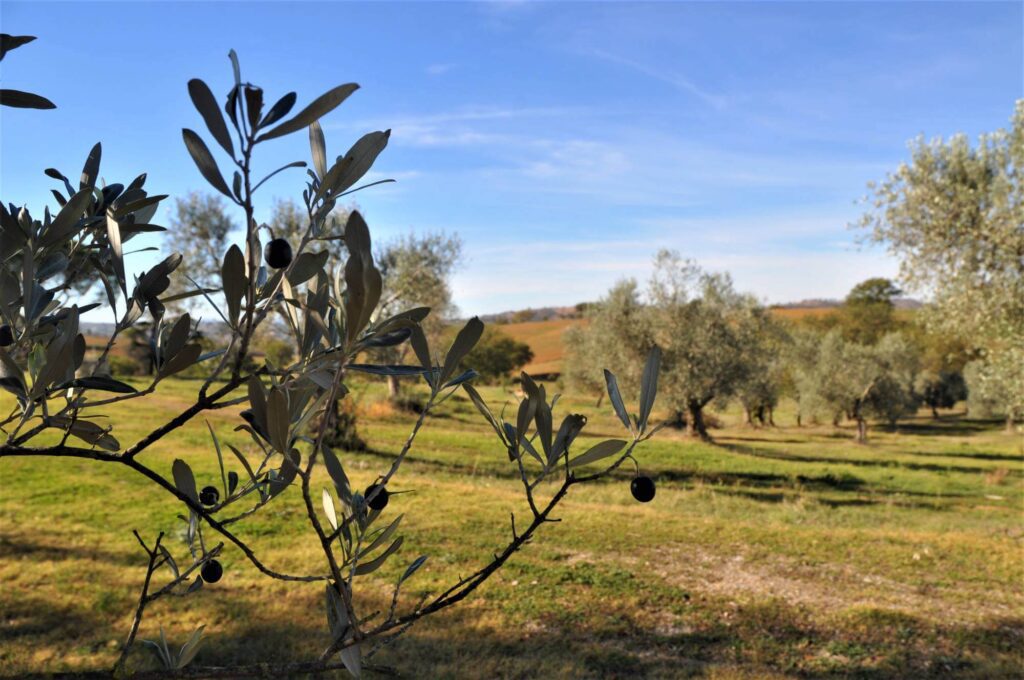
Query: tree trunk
point(1009, 422)
point(748, 419)
point(771, 417)
point(935, 412)
point(695, 426)
point(862, 431)
point(393, 387)
point(799, 419)
point(760, 416)
point(600, 398)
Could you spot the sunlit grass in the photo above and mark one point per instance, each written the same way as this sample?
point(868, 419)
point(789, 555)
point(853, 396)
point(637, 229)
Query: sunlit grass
point(772, 553)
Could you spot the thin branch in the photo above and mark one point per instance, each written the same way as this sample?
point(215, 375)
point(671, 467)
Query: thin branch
point(143, 600)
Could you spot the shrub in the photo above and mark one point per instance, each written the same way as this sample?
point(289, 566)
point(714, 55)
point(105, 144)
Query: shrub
point(124, 366)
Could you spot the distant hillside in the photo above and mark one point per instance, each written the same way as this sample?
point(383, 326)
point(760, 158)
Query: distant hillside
point(831, 303)
point(545, 339)
point(538, 314)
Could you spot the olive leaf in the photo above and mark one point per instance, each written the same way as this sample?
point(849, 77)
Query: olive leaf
point(598, 452)
point(279, 110)
point(65, 223)
point(184, 480)
point(413, 568)
point(277, 419)
point(616, 398)
point(466, 339)
point(234, 282)
point(286, 475)
point(351, 167)
point(253, 104)
point(189, 649)
point(104, 383)
point(376, 563)
point(484, 411)
point(24, 100)
point(114, 237)
point(329, 509)
point(204, 161)
point(306, 266)
point(318, 148)
point(179, 362)
point(12, 42)
point(206, 104)
point(337, 474)
point(91, 169)
point(649, 386)
point(220, 458)
point(321, 106)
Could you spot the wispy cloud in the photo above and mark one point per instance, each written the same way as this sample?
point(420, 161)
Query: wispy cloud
point(676, 80)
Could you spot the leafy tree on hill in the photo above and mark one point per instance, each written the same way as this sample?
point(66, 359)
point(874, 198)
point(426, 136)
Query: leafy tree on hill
point(867, 312)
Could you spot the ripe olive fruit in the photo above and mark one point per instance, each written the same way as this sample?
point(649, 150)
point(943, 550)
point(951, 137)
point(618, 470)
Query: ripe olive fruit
point(642, 489)
point(6, 336)
point(212, 571)
point(278, 253)
point(380, 501)
point(209, 496)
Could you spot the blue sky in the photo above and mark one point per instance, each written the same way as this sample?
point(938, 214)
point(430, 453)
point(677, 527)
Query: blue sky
point(565, 143)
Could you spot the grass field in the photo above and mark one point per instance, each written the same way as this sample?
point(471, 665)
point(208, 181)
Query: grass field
point(787, 552)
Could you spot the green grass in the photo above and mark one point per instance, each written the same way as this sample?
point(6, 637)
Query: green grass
point(784, 552)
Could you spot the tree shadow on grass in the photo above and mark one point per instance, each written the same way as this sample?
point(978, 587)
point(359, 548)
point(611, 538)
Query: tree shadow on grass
point(577, 640)
point(20, 547)
point(946, 426)
point(783, 497)
point(858, 462)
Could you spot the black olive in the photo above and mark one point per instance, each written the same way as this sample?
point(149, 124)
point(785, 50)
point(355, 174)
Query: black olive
point(6, 336)
point(212, 571)
point(209, 496)
point(642, 489)
point(378, 502)
point(278, 253)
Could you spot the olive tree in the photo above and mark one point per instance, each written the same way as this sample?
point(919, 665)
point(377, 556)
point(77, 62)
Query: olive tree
point(334, 312)
point(199, 229)
point(994, 387)
point(416, 272)
point(953, 216)
point(697, 318)
point(836, 377)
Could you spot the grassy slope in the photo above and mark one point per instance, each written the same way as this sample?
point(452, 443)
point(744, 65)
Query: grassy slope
point(785, 552)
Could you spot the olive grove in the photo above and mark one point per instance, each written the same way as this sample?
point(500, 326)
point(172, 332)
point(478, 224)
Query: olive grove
point(335, 313)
